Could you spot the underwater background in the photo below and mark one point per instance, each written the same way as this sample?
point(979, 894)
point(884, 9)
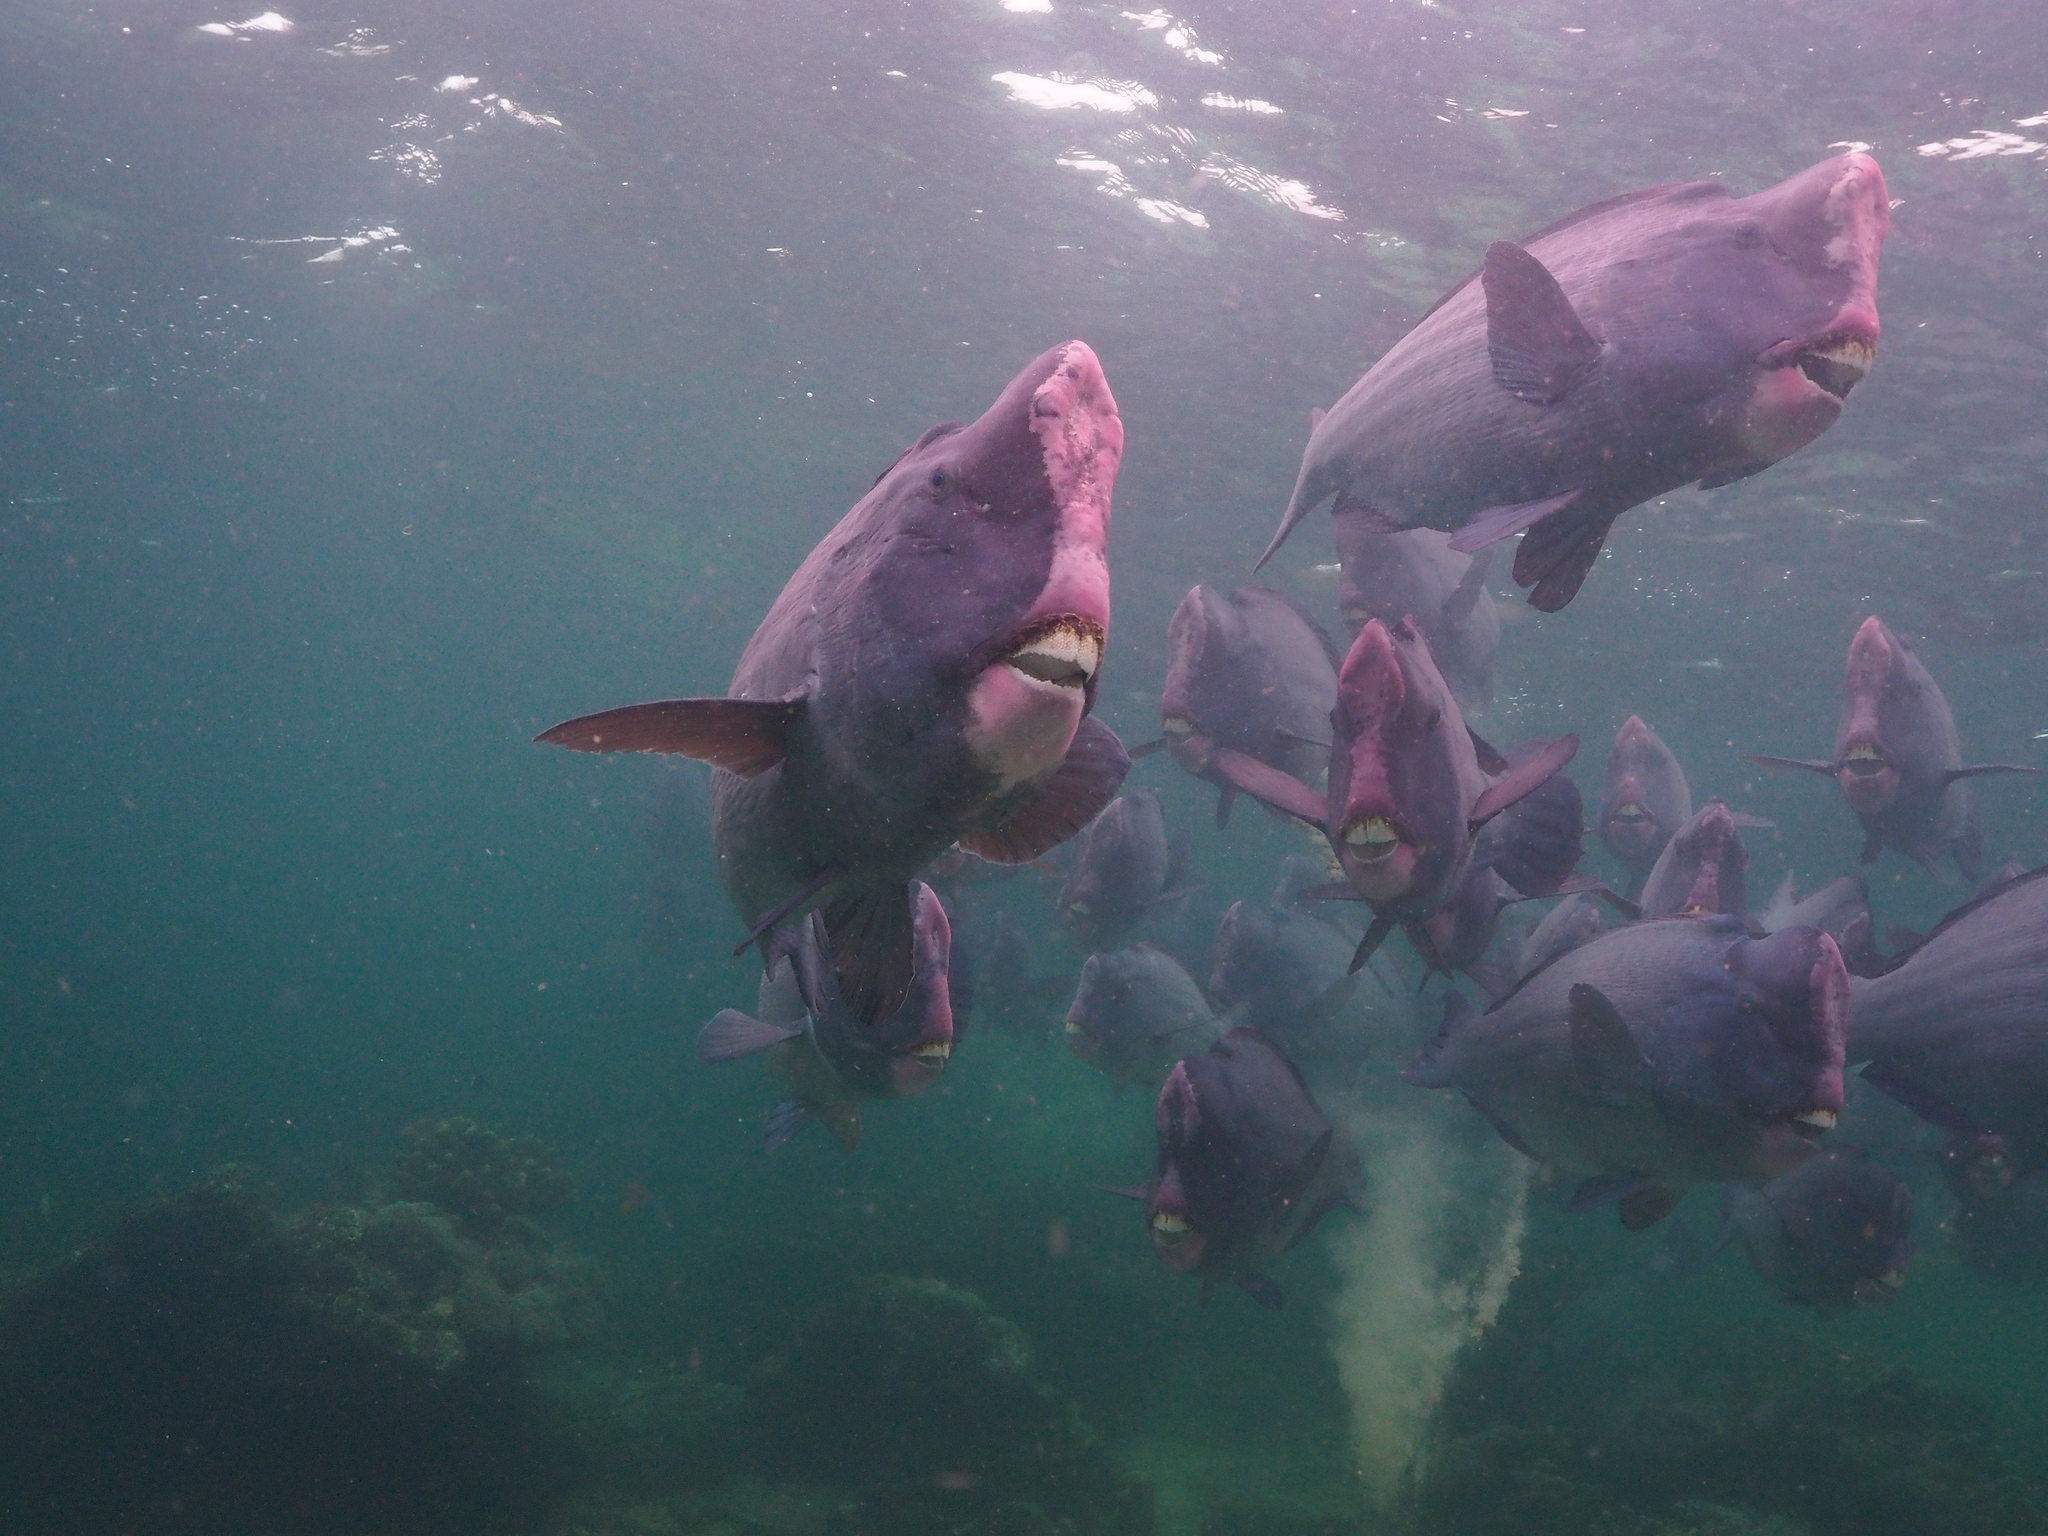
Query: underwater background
point(382, 383)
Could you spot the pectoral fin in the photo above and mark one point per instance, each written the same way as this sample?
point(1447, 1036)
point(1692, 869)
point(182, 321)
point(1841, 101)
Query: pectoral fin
point(1375, 935)
point(1523, 779)
point(1539, 346)
point(1648, 1204)
point(1825, 770)
point(1557, 554)
point(1483, 530)
point(1609, 1064)
point(1282, 791)
point(732, 1034)
point(742, 736)
point(1978, 770)
point(1036, 818)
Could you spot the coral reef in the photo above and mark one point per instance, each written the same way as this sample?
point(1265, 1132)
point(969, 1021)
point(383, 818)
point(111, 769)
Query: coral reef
point(920, 1399)
point(477, 1174)
point(212, 1367)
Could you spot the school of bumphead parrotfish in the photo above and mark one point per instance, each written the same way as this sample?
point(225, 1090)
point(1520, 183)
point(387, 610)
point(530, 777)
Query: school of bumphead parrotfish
point(916, 707)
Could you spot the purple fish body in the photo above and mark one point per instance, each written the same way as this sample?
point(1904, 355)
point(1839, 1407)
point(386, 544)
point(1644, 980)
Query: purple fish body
point(924, 678)
point(1834, 1233)
point(1123, 867)
point(1898, 760)
point(1135, 1013)
point(1957, 1029)
point(1247, 672)
point(1657, 1056)
point(829, 1060)
point(1656, 339)
point(1388, 576)
point(1246, 1166)
point(1703, 870)
point(1646, 799)
point(1564, 927)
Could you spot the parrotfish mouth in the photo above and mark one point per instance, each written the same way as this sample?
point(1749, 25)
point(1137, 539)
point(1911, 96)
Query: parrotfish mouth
point(1816, 1120)
point(1862, 761)
point(1631, 815)
point(1372, 839)
point(1062, 649)
point(1176, 1239)
point(1837, 362)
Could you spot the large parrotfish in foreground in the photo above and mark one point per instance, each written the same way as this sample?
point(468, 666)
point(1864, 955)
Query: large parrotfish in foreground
point(1409, 787)
point(925, 678)
point(1666, 337)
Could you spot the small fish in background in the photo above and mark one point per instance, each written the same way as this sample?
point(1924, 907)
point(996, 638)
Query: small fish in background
point(1840, 908)
point(1135, 1013)
point(2000, 1224)
point(1956, 1029)
point(1284, 972)
point(829, 1060)
point(925, 678)
point(1247, 671)
point(1572, 922)
point(1021, 995)
point(1833, 1234)
point(1123, 867)
point(1577, 375)
point(1387, 576)
point(1665, 1054)
point(1247, 1164)
point(1646, 800)
point(1898, 761)
point(1407, 790)
point(1703, 870)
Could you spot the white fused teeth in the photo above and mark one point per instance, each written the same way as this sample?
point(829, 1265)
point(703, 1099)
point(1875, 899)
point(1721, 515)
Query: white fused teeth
point(1176, 728)
point(1631, 813)
point(1892, 1279)
point(1372, 840)
point(1074, 1028)
point(1169, 1225)
point(1080, 909)
point(1863, 750)
point(933, 1053)
point(1820, 1119)
point(1067, 655)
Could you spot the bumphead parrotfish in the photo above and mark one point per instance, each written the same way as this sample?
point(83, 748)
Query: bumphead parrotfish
point(1136, 1012)
point(1250, 672)
point(1407, 790)
point(1124, 867)
point(1673, 1052)
point(1656, 339)
point(925, 677)
point(1898, 761)
point(1832, 1234)
point(1247, 1165)
point(1646, 799)
point(1387, 576)
point(829, 1061)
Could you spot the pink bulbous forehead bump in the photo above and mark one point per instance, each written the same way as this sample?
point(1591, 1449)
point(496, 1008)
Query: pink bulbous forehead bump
point(1081, 441)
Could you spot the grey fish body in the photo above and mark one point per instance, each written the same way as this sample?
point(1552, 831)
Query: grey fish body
point(1662, 337)
point(1286, 974)
point(1136, 1012)
point(1123, 866)
point(1832, 1234)
point(1732, 1055)
point(1248, 672)
point(1565, 927)
point(1388, 576)
point(1957, 1030)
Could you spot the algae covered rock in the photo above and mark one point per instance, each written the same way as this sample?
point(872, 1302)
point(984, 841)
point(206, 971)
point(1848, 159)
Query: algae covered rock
point(477, 1174)
point(918, 1396)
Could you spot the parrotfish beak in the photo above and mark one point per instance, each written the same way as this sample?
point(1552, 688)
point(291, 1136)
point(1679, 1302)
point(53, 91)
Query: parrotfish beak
point(1173, 1234)
point(1026, 706)
point(1868, 781)
point(1377, 859)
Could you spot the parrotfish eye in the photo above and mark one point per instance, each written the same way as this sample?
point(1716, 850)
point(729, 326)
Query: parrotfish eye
point(1749, 234)
point(1372, 840)
point(938, 479)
